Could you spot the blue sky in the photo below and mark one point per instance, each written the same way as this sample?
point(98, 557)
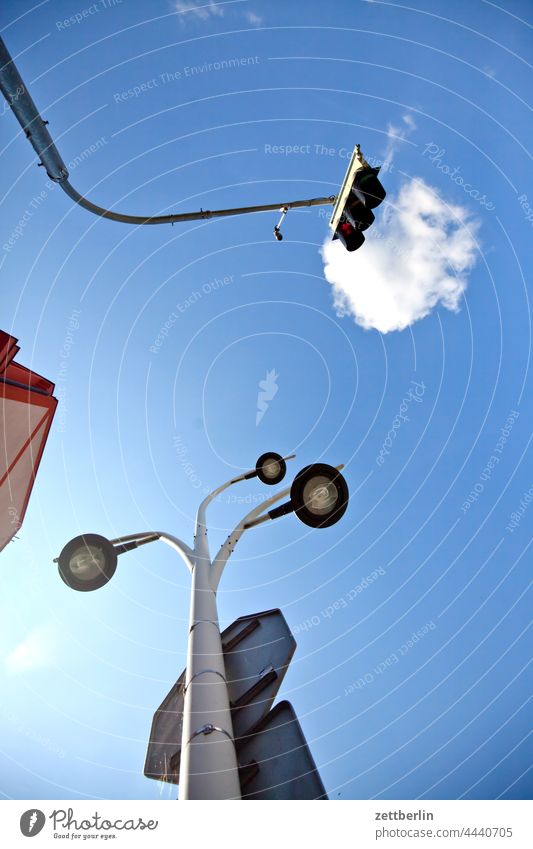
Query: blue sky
point(409, 361)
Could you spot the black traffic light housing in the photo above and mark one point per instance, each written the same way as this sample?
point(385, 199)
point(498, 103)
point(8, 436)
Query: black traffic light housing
point(361, 192)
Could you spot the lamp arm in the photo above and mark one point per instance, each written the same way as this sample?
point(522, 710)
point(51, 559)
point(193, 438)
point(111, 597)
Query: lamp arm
point(186, 553)
point(133, 537)
point(201, 545)
point(229, 545)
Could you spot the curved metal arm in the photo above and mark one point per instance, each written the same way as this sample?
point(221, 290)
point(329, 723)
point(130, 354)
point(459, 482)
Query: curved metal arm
point(185, 552)
point(201, 545)
point(228, 547)
point(176, 217)
point(29, 118)
point(251, 520)
point(134, 538)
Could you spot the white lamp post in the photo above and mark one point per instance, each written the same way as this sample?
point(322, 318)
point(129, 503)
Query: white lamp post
point(319, 497)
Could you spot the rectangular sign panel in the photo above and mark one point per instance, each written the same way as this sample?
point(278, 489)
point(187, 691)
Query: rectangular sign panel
point(257, 651)
point(275, 761)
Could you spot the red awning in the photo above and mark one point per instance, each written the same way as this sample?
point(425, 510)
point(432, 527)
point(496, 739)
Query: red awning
point(27, 408)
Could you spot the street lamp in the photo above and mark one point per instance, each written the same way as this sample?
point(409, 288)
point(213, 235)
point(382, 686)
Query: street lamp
point(87, 562)
point(271, 467)
point(318, 497)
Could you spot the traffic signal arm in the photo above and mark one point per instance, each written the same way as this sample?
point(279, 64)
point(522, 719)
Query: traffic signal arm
point(36, 131)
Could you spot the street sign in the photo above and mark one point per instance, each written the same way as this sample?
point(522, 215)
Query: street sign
point(27, 408)
point(257, 651)
point(165, 735)
point(275, 761)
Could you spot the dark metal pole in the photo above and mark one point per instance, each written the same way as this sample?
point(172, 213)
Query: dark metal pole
point(24, 109)
point(188, 216)
point(20, 100)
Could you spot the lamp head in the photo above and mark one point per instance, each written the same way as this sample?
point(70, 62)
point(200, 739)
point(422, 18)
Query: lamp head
point(319, 495)
point(270, 468)
point(87, 562)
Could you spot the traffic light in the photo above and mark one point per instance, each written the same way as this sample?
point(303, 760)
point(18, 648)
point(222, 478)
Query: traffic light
point(361, 192)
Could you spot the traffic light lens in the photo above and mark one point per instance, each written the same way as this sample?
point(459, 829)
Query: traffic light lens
point(359, 215)
point(351, 238)
point(372, 189)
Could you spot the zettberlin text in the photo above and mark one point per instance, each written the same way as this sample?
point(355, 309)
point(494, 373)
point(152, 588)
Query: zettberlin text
point(401, 815)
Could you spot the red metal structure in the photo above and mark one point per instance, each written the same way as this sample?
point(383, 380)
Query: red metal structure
point(27, 408)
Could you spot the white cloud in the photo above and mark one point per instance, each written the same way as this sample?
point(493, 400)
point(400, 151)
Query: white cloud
point(36, 650)
point(254, 19)
point(418, 257)
point(202, 10)
point(395, 135)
